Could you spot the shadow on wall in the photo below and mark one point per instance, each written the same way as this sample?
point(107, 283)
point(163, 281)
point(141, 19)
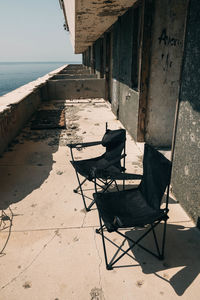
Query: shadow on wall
point(191, 64)
point(186, 168)
point(125, 69)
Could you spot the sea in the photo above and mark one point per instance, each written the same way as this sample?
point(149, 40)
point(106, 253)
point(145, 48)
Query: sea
point(16, 74)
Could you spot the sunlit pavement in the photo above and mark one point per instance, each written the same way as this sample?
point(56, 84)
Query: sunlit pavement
point(52, 251)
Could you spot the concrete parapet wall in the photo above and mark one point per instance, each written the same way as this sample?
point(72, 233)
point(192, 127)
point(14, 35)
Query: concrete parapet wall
point(76, 88)
point(13, 118)
point(75, 66)
point(72, 76)
point(75, 71)
point(17, 107)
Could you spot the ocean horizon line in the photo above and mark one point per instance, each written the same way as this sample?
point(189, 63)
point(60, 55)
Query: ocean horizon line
point(18, 73)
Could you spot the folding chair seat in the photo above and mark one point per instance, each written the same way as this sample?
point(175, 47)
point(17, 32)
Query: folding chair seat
point(114, 143)
point(139, 207)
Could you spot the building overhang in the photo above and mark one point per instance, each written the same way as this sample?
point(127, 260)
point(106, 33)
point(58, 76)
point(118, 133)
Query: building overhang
point(89, 19)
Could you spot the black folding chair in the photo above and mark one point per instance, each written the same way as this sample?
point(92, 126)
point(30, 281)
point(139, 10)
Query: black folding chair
point(138, 207)
point(114, 141)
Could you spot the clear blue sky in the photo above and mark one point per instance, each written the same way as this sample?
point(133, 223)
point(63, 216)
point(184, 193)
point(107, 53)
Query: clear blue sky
point(32, 30)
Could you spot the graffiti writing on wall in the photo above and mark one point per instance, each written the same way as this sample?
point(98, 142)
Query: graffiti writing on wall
point(167, 55)
point(167, 40)
point(166, 62)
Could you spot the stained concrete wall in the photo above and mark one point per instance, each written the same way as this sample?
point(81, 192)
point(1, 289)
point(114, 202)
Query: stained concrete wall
point(125, 99)
point(76, 88)
point(15, 116)
point(186, 165)
point(116, 68)
point(166, 59)
point(92, 19)
point(97, 46)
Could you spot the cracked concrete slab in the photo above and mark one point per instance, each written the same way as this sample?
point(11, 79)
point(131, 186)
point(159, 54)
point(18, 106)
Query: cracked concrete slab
point(50, 265)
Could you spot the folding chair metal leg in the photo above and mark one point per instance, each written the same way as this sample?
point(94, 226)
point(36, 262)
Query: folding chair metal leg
point(81, 190)
point(80, 184)
point(124, 164)
point(156, 241)
point(90, 205)
point(116, 185)
point(104, 246)
point(114, 260)
point(78, 187)
point(164, 238)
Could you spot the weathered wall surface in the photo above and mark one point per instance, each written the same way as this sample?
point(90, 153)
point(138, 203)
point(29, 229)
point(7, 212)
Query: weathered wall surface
point(14, 117)
point(76, 71)
point(97, 49)
point(186, 166)
point(115, 66)
point(17, 107)
point(93, 18)
point(125, 99)
point(167, 51)
point(76, 88)
point(128, 109)
point(71, 76)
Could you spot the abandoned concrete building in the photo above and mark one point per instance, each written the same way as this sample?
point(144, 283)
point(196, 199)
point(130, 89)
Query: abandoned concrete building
point(140, 71)
point(148, 54)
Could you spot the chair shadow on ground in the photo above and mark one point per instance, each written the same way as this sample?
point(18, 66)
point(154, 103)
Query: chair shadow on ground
point(182, 250)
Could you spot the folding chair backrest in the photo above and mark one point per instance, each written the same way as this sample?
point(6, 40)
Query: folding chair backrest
point(114, 142)
point(156, 176)
point(113, 138)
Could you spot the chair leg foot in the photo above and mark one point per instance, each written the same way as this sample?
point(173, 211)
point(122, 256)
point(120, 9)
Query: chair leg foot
point(97, 231)
point(108, 267)
point(161, 257)
point(87, 209)
point(75, 191)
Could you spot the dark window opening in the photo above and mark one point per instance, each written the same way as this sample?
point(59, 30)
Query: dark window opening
point(135, 46)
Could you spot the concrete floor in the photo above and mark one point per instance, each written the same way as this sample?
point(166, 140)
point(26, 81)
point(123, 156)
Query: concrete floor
point(51, 251)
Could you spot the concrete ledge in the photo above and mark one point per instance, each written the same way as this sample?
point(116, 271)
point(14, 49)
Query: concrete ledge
point(17, 107)
point(76, 88)
point(75, 71)
point(72, 76)
point(15, 116)
point(75, 66)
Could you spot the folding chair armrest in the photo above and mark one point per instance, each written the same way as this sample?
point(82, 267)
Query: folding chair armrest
point(124, 176)
point(84, 145)
point(113, 175)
